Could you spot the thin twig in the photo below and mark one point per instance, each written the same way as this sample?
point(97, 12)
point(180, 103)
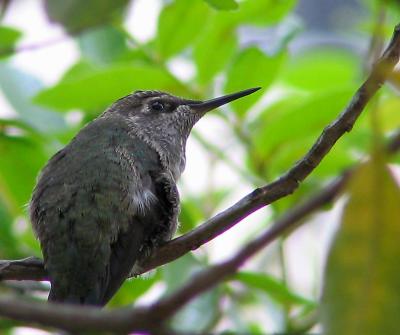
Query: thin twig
point(3, 7)
point(32, 47)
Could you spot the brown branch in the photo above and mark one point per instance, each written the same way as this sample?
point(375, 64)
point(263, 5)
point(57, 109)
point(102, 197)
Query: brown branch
point(125, 320)
point(289, 182)
point(293, 218)
point(208, 278)
point(32, 269)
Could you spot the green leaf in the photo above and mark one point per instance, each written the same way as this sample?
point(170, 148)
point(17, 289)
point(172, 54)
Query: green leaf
point(8, 37)
point(133, 288)
point(8, 241)
point(190, 215)
point(214, 49)
point(262, 12)
point(20, 161)
point(276, 289)
point(176, 273)
point(103, 45)
point(96, 88)
point(78, 70)
point(196, 316)
point(296, 117)
point(251, 68)
point(319, 70)
point(178, 26)
point(218, 42)
point(362, 281)
point(196, 208)
point(77, 15)
point(223, 4)
point(19, 88)
point(389, 113)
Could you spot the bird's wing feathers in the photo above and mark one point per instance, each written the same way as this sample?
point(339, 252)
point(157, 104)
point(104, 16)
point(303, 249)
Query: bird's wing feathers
point(151, 226)
point(97, 208)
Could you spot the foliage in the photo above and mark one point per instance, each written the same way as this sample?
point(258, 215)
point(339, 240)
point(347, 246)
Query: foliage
point(305, 89)
point(367, 277)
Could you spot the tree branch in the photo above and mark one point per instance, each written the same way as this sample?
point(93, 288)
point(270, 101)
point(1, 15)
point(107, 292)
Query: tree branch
point(32, 268)
point(125, 320)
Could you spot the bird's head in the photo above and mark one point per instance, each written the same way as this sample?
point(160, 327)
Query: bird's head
point(164, 121)
point(163, 112)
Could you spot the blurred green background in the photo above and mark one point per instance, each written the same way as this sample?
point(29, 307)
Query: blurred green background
point(62, 62)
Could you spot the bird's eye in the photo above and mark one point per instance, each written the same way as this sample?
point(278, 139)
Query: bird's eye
point(157, 106)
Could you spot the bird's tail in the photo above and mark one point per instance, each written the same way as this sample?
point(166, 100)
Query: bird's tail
point(76, 278)
point(88, 282)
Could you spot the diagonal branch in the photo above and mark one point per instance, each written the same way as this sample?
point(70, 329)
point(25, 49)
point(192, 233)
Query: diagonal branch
point(32, 268)
point(145, 318)
point(125, 320)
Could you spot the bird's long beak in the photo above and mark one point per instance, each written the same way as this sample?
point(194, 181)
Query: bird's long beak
point(205, 106)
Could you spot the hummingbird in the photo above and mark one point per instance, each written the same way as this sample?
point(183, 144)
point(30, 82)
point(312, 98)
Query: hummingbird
point(106, 200)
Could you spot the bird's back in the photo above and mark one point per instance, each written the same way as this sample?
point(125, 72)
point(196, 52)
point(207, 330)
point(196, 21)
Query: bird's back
point(95, 203)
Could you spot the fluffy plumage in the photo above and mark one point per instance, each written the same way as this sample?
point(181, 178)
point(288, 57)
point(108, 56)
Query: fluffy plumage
point(109, 197)
point(102, 203)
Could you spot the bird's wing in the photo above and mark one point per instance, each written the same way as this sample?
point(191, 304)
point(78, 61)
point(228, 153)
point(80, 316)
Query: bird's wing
point(96, 208)
point(157, 224)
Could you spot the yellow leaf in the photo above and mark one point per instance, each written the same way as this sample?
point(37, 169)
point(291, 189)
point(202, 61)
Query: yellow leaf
point(362, 279)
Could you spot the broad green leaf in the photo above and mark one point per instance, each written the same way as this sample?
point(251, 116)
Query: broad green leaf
point(179, 24)
point(285, 155)
point(388, 109)
point(296, 117)
point(133, 288)
point(223, 4)
point(8, 37)
point(81, 69)
point(395, 4)
point(8, 241)
point(286, 130)
point(20, 161)
point(362, 281)
point(251, 68)
point(19, 88)
point(255, 329)
point(77, 15)
point(272, 287)
point(196, 316)
point(97, 88)
point(261, 12)
point(176, 273)
point(305, 71)
point(103, 45)
point(197, 208)
point(190, 215)
point(214, 48)
point(218, 42)
point(7, 327)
